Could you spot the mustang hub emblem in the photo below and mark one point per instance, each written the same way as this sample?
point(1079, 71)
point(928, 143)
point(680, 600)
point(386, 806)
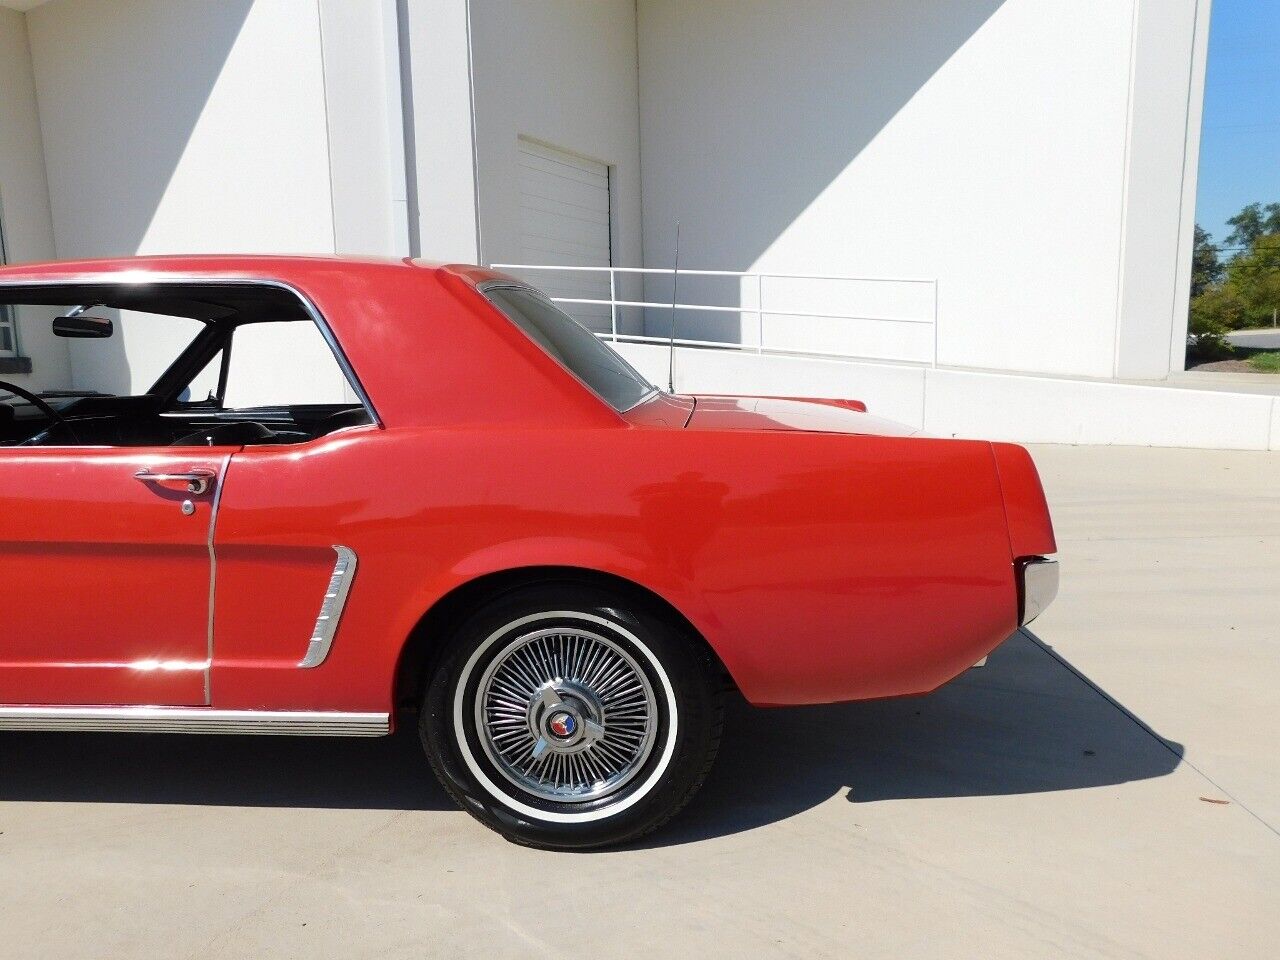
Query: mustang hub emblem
point(563, 725)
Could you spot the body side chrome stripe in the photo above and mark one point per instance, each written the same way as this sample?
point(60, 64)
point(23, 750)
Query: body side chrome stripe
point(335, 601)
point(304, 723)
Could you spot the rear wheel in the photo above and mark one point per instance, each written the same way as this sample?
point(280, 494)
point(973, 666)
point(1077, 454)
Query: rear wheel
point(565, 718)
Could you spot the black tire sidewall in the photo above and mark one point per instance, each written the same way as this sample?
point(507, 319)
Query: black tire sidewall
point(687, 668)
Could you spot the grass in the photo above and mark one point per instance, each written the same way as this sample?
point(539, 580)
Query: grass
point(1265, 362)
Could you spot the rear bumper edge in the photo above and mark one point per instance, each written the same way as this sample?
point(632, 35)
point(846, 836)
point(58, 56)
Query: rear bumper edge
point(1037, 586)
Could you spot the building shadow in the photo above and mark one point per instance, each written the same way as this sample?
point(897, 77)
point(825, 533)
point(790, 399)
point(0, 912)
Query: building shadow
point(120, 97)
point(762, 119)
point(1025, 723)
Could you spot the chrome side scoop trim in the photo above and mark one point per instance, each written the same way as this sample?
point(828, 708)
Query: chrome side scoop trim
point(303, 723)
point(335, 599)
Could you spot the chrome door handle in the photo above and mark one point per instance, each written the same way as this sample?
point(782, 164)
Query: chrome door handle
point(197, 481)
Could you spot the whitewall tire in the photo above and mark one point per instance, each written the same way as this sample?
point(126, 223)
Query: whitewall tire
point(565, 718)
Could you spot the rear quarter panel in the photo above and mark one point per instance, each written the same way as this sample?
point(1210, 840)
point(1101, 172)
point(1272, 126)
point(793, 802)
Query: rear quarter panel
point(820, 567)
point(1030, 527)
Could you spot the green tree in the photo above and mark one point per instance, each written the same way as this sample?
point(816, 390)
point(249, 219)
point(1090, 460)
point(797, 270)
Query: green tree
point(1214, 313)
point(1252, 223)
point(1253, 278)
point(1206, 265)
point(1241, 292)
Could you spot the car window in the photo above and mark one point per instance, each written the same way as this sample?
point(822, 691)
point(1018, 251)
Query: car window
point(126, 364)
point(203, 387)
point(576, 348)
point(281, 365)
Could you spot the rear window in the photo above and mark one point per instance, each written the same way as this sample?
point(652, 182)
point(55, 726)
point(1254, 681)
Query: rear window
point(576, 348)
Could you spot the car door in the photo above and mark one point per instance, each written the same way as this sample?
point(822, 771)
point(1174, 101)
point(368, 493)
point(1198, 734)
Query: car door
point(106, 574)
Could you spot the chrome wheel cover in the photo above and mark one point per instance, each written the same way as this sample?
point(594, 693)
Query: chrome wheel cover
point(566, 715)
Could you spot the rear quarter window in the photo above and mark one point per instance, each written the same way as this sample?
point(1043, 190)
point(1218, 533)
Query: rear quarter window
point(575, 347)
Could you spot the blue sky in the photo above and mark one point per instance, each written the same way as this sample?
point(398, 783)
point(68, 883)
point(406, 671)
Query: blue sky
point(1240, 140)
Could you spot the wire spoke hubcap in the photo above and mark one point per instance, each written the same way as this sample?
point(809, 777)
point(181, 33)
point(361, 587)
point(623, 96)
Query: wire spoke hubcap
point(566, 715)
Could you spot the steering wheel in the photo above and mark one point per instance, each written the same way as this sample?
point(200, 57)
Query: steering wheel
point(40, 404)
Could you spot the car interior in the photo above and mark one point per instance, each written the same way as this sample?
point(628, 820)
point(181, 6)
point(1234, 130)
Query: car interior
point(187, 405)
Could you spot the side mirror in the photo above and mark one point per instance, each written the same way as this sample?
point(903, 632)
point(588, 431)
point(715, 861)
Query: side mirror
point(81, 326)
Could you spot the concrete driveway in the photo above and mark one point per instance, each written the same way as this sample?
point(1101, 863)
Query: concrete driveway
point(1064, 801)
point(1256, 339)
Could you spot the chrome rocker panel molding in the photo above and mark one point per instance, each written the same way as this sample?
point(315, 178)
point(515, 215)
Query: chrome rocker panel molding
point(301, 723)
point(335, 601)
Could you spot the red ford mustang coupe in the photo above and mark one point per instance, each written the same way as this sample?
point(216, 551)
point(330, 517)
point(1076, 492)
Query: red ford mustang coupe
point(355, 490)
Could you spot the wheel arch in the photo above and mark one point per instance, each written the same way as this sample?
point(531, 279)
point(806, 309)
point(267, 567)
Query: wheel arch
point(427, 641)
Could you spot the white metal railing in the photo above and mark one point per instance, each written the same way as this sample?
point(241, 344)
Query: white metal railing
point(760, 309)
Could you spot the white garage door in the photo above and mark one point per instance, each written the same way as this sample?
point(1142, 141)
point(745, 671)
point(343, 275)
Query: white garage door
point(565, 220)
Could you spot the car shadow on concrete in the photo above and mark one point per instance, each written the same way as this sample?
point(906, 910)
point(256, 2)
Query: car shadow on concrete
point(319, 772)
point(1025, 723)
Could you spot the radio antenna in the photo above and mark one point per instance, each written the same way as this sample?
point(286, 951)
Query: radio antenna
point(671, 352)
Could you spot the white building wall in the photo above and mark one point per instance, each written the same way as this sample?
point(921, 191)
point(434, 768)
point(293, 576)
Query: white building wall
point(1033, 157)
point(562, 72)
point(1199, 56)
point(435, 50)
point(981, 143)
point(181, 126)
point(360, 53)
point(1164, 113)
point(980, 405)
point(24, 198)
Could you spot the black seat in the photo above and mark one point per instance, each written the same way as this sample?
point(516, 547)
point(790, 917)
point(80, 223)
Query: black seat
point(355, 417)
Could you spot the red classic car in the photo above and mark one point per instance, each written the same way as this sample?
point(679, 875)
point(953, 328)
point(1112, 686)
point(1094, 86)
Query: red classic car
point(355, 491)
